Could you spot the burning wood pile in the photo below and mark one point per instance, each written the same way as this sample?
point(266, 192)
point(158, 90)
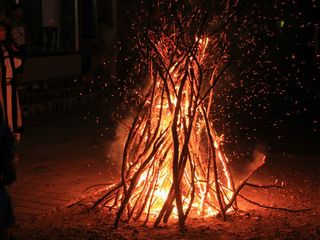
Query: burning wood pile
point(174, 164)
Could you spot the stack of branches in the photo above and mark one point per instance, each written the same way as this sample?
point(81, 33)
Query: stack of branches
point(173, 160)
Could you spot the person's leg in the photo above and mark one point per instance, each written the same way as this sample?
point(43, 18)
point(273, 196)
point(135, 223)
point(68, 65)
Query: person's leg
point(6, 214)
point(3, 217)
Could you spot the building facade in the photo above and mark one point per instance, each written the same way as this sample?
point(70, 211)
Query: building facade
point(66, 39)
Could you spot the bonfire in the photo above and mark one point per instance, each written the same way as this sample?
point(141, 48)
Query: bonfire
point(174, 164)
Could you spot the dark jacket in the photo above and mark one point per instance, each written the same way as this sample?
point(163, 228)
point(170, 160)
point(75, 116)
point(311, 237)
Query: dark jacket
point(7, 174)
point(7, 170)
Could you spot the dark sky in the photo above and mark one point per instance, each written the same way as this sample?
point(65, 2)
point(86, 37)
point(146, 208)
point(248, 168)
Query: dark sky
point(273, 96)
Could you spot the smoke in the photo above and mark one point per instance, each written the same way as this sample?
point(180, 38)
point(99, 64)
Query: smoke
point(241, 168)
point(115, 148)
point(258, 158)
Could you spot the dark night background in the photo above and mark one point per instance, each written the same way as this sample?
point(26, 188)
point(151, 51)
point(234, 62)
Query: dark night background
point(276, 93)
point(272, 97)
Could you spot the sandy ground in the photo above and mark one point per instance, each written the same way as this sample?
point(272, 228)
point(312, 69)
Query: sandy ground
point(300, 174)
point(77, 137)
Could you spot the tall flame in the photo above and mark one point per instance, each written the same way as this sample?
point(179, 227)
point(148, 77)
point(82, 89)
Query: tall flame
point(174, 103)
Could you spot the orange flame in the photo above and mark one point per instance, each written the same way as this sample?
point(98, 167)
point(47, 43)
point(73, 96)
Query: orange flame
point(198, 181)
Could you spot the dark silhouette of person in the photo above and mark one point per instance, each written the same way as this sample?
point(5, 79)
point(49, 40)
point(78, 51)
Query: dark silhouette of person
point(7, 177)
point(9, 97)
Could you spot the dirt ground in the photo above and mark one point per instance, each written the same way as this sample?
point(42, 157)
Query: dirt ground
point(302, 190)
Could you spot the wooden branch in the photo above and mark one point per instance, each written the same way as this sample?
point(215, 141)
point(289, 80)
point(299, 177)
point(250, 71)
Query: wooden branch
point(263, 186)
point(109, 193)
point(215, 169)
point(96, 185)
point(134, 181)
point(242, 184)
point(274, 208)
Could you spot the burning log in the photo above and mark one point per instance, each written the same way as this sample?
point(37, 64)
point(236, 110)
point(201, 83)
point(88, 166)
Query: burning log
point(174, 164)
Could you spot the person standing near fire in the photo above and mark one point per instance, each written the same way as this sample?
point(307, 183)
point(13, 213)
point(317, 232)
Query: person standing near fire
point(9, 98)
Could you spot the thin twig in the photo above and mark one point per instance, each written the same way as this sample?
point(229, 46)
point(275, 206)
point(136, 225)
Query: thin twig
point(274, 208)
